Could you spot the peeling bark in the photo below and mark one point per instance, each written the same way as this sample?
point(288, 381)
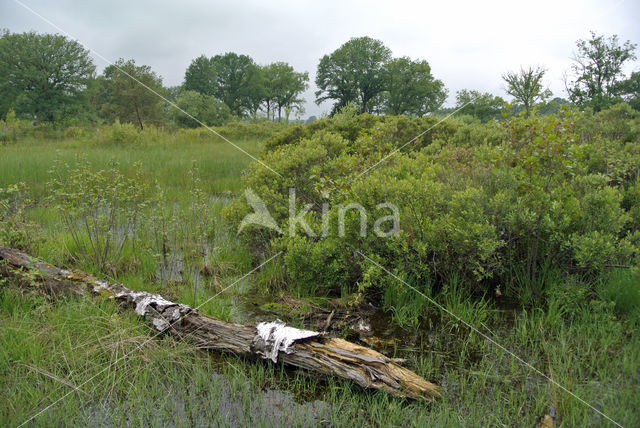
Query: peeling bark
point(275, 341)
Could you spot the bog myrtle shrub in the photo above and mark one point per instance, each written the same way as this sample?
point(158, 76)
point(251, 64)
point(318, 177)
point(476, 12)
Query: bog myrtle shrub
point(488, 206)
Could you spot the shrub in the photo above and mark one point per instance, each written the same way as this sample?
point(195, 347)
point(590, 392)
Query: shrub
point(101, 210)
point(495, 205)
point(118, 133)
point(16, 230)
point(207, 109)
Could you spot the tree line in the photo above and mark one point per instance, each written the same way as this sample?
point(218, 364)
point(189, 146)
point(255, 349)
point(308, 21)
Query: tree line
point(50, 78)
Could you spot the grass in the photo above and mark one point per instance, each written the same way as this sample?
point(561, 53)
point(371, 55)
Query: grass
point(584, 335)
point(165, 158)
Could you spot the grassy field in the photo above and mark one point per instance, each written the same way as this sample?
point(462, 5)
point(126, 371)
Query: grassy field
point(55, 353)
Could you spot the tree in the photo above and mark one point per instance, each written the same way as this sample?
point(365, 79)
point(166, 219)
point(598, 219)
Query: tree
point(42, 76)
point(205, 108)
point(353, 73)
point(526, 87)
point(238, 83)
point(482, 105)
point(411, 88)
point(552, 106)
point(283, 86)
point(629, 89)
point(596, 70)
point(201, 76)
point(127, 99)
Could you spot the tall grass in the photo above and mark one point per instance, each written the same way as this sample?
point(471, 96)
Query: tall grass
point(574, 331)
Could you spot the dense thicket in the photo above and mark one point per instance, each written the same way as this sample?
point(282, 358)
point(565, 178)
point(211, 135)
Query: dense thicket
point(497, 206)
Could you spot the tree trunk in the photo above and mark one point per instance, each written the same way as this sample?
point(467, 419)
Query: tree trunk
point(138, 115)
point(299, 348)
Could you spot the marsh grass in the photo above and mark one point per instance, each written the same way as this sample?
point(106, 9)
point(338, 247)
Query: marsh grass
point(582, 335)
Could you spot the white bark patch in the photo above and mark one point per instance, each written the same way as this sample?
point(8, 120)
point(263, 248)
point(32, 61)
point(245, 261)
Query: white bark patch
point(161, 324)
point(161, 311)
point(102, 285)
point(278, 337)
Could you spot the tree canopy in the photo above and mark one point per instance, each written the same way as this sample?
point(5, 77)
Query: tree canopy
point(629, 89)
point(355, 72)
point(363, 72)
point(283, 86)
point(42, 76)
point(127, 94)
point(597, 70)
point(411, 89)
point(482, 105)
point(201, 76)
point(526, 87)
point(205, 108)
point(238, 82)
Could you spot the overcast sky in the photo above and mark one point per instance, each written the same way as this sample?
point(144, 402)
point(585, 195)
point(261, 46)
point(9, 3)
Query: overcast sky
point(469, 44)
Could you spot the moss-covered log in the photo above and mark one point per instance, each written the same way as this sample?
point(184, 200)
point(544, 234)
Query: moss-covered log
point(299, 348)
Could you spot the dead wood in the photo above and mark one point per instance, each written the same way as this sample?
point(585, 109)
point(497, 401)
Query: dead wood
point(298, 348)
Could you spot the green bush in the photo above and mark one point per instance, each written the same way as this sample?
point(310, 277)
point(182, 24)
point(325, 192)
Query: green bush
point(207, 109)
point(16, 230)
point(118, 133)
point(101, 210)
point(497, 205)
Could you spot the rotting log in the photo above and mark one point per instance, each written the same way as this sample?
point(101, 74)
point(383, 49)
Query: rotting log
point(298, 348)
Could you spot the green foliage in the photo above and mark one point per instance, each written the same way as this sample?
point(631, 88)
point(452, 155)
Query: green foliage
point(483, 106)
point(101, 210)
point(353, 73)
point(411, 89)
point(597, 71)
point(42, 76)
point(9, 128)
point(118, 133)
point(201, 76)
point(283, 86)
point(205, 108)
point(526, 87)
point(362, 71)
point(629, 89)
point(246, 87)
point(16, 229)
point(623, 288)
point(128, 93)
point(505, 205)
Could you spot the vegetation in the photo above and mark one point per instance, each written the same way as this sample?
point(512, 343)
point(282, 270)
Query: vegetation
point(130, 93)
point(480, 105)
point(523, 222)
point(361, 71)
point(526, 87)
point(596, 69)
point(43, 76)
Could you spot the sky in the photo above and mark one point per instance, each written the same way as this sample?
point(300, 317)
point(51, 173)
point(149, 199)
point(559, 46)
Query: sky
point(469, 44)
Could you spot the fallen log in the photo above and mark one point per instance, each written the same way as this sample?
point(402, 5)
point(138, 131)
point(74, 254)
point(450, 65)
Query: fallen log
point(298, 348)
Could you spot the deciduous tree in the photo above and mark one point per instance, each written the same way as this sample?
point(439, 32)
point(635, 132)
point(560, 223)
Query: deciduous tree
point(483, 105)
point(238, 83)
point(205, 108)
point(597, 69)
point(42, 76)
point(629, 89)
point(201, 76)
point(526, 87)
point(128, 93)
point(283, 86)
point(411, 89)
point(353, 73)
